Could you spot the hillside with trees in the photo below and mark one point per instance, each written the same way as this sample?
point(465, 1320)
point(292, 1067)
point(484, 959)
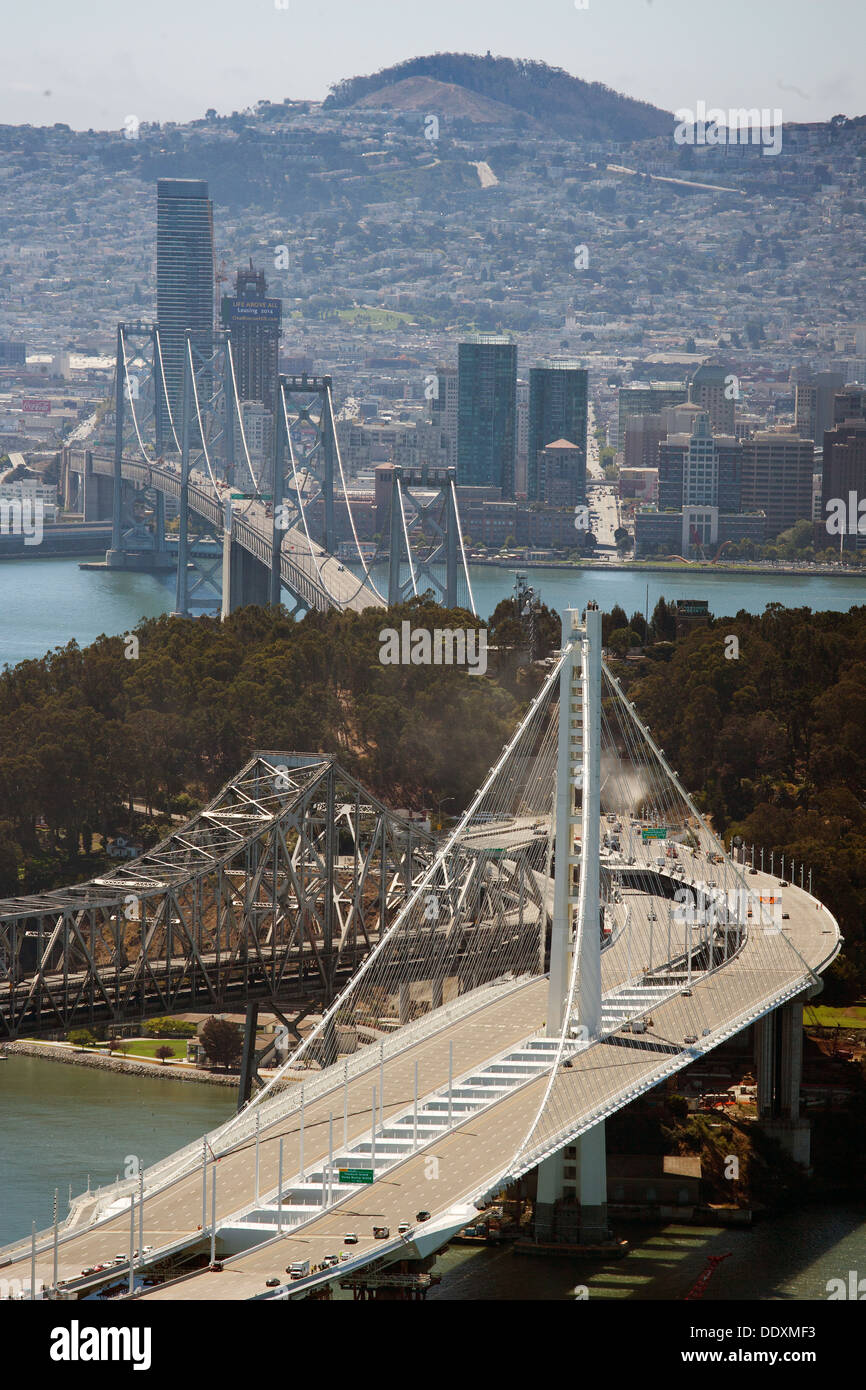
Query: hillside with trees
point(548, 95)
point(773, 743)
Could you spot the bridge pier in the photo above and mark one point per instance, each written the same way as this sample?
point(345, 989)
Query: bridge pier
point(248, 1057)
point(778, 1072)
point(571, 1198)
point(245, 580)
point(98, 499)
point(405, 999)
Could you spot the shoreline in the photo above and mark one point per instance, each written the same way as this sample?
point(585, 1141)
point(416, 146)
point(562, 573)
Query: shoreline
point(83, 1057)
point(662, 567)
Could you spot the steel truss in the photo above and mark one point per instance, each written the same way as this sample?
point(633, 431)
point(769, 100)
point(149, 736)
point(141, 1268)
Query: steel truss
point(277, 890)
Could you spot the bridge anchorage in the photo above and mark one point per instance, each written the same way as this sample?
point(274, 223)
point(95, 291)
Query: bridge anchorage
point(253, 526)
point(578, 938)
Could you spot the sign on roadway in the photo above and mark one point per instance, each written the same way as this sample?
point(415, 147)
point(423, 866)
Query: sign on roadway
point(355, 1175)
point(653, 832)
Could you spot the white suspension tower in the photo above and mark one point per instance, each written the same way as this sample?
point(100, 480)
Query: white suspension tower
point(574, 993)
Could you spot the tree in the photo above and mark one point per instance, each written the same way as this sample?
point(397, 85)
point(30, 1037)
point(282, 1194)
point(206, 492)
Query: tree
point(663, 622)
point(81, 1037)
point(164, 1052)
point(611, 621)
point(622, 639)
point(222, 1041)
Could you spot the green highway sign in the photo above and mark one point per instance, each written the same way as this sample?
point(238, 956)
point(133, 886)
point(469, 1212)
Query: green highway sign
point(356, 1175)
point(654, 833)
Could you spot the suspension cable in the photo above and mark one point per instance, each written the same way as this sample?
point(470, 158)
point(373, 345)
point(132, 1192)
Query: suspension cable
point(240, 416)
point(462, 550)
point(346, 496)
point(198, 417)
point(406, 537)
point(165, 390)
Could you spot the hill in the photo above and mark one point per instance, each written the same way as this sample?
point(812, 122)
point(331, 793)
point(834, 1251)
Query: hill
point(526, 90)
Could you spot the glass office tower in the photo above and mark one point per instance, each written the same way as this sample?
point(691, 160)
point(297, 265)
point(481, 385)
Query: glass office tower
point(184, 279)
point(487, 412)
point(557, 411)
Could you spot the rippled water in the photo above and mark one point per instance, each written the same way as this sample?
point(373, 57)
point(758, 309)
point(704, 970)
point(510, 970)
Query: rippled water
point(59, 1123)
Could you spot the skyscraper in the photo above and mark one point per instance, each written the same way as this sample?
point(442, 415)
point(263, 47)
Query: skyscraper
point(844, 474)
point(715, 389)
point(184, 278)
point(699, 470)
point(645, 398)
point(443, 412)
point(777, 478)
point(254, 322)
point(557, 410)
point(814, 400)
point(487, 412)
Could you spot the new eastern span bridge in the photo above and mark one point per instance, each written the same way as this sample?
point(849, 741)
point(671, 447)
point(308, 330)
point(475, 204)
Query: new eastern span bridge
point(578, 938)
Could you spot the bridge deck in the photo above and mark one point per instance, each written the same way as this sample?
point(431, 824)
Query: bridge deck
point(474, 1153)
point(320, 583)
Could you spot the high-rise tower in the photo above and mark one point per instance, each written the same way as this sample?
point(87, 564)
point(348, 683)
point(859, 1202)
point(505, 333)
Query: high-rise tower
point(184, 277)
point(557, 411)
point(487, 412)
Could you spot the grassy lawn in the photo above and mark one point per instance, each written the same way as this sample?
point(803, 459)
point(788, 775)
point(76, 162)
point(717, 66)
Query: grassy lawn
point(378, 318)
point(146, 1047)
point(853, 1017)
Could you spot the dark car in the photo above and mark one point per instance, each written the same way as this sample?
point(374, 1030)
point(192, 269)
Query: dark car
point(272, 1283)
point(422, 1216)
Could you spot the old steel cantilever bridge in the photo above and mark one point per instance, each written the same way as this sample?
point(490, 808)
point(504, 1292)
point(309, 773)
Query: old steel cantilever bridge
point(253, 523)
point(579, 937)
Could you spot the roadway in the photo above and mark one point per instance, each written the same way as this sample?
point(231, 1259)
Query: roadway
point(318, 579)
point(477, 1152)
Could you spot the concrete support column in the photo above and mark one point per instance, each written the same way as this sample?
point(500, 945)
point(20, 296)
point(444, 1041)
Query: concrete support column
point(571, 1200)
point(98, 493)
point(437, 992)
point(778, 1073)
point(405, 997)
point(159, 521)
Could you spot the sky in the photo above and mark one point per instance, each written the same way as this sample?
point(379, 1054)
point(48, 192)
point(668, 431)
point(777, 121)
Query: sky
point(96, 64)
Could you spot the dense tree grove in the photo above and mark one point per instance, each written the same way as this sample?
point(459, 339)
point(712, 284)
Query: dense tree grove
point(772, 736)
point(86, 732)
